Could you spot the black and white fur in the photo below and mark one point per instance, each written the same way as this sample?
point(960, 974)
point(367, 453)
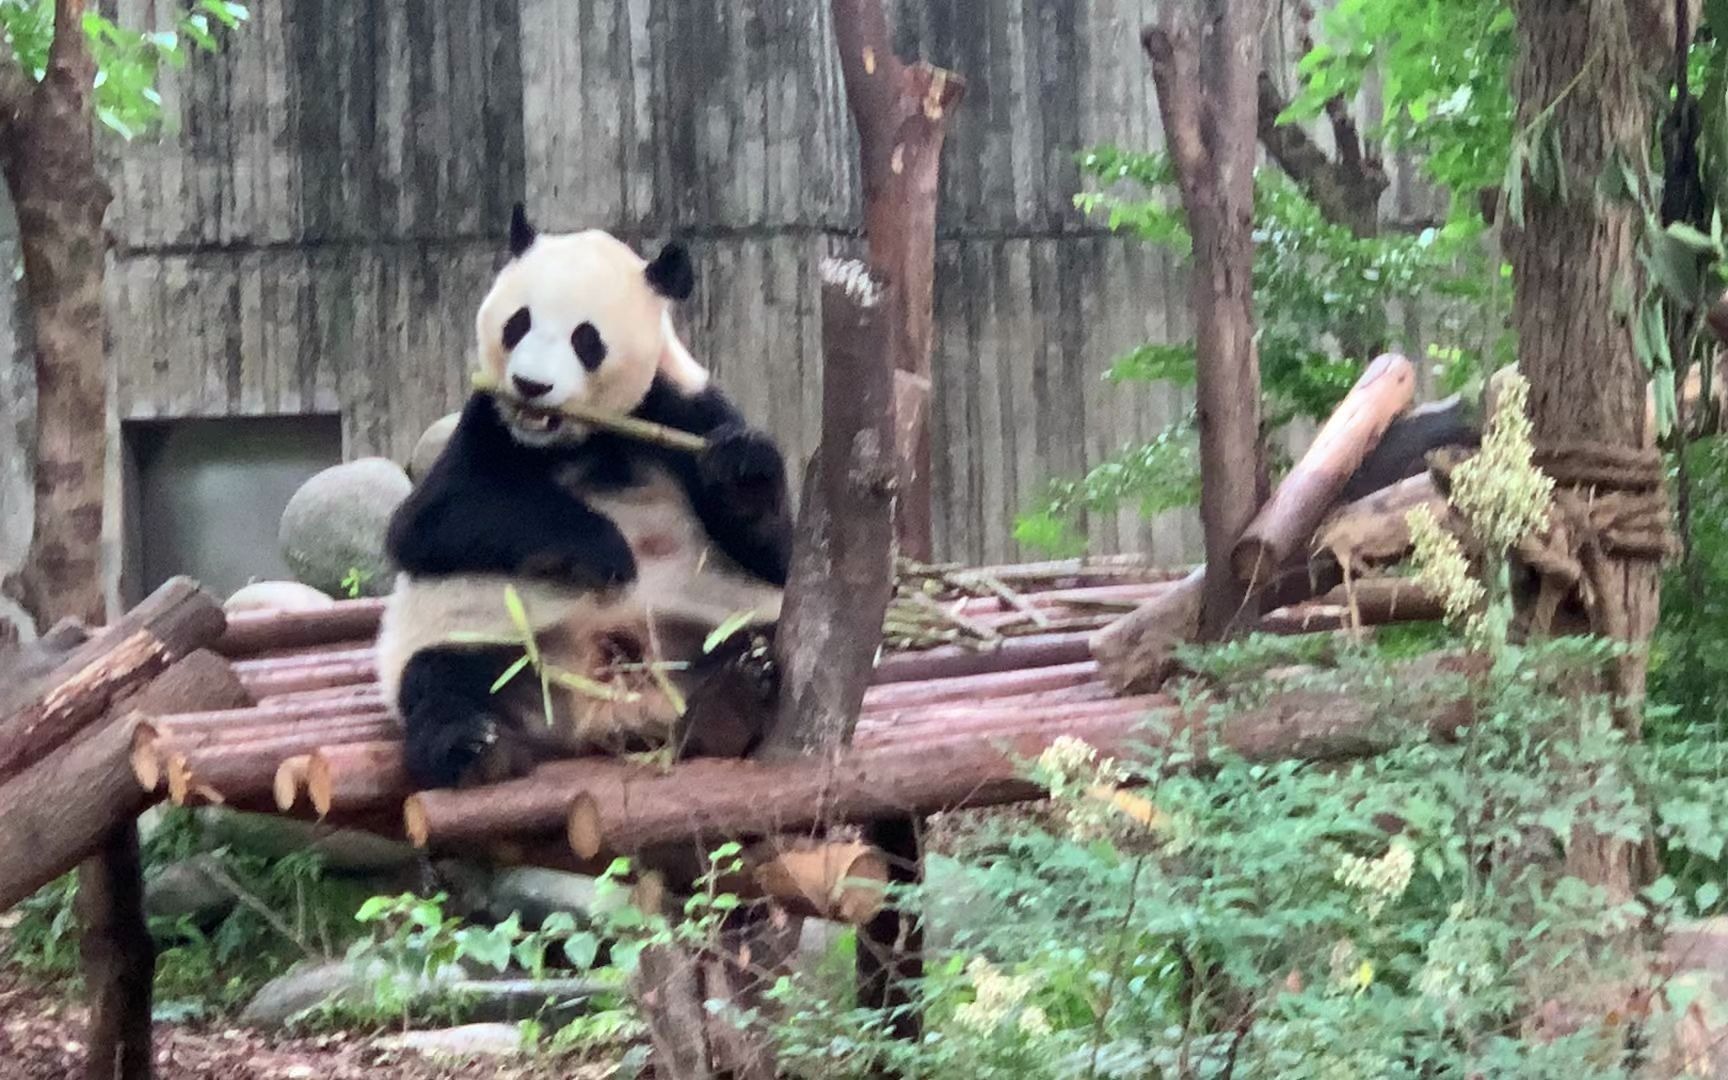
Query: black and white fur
point(617, 548)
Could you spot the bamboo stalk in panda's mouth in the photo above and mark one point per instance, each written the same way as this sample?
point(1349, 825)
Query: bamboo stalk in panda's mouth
point(629, 426)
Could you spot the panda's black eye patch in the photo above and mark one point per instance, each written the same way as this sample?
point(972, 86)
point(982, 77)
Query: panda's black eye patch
point(516, 327)
point(589, 348)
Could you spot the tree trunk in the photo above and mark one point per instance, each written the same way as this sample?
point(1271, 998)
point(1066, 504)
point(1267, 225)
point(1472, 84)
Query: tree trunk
point(1206, 65)
point(1574, 262)
point(48, 155)
point(902, 115)
point(842, 557)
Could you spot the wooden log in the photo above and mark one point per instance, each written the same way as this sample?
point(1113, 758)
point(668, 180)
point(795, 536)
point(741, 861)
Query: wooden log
point(251, 632)
point(24, 666)
point(155, 741)
point(990, 685)
point(840, 880)
point(1374, 529)
point(1372, 602)
point(536, 804)
point(43, 832)
point(199, 680)
point(617, 809)
point(621, 807)
point(1012, 654)
point(276, 677)
point(842, 556)
point(357, 776)
point(1289, 518)
point(1136, 652)
point(177, 619)
point(118, 957)
point(225, 772)
point(1133, 592)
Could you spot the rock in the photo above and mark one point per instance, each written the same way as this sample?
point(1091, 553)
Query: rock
point(555, 1001)
point(285, 998)
point(336, 522)
point(431, 444)
point(536, 893)
point(189, 889)
point(470, 1040)
point(276, 596)
point(342, 851)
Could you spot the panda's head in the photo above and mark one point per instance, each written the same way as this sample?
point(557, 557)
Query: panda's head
point(580, 317)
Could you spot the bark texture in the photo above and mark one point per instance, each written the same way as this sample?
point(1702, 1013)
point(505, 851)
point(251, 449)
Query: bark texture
point(902, 115)
point(48, 156)
point(1574, 259)
point(842, 559)
point(1206, 65)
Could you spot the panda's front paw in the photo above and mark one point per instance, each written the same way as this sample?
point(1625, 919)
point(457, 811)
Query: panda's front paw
point(740, 458)
point(451, 752)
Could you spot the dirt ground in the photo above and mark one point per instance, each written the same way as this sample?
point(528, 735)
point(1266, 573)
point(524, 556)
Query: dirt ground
point(41, 1039)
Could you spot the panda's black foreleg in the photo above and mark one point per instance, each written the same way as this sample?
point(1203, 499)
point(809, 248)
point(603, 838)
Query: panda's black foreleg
point(743, 500)
point(454, 732)
point(730, 697)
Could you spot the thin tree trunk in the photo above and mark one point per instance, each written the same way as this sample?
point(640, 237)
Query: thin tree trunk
point(902, 115)
point(1206, 64)
point(1574, 261)
point(48, 155)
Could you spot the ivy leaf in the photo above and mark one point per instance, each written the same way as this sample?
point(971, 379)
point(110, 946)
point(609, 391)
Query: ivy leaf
point(582, 948)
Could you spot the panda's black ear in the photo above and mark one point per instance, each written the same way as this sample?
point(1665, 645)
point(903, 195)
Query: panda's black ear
point(670, 273)
point(521, 233)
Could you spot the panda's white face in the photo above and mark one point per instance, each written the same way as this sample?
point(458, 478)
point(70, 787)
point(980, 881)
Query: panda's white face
point(581, 318)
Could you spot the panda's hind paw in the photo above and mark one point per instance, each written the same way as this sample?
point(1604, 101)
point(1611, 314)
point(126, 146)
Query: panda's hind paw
point(452, 754)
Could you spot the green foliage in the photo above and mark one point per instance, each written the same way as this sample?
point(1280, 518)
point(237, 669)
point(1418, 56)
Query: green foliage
point(1163, 474)
point(1444, 70)
point(287, 909)
point(1321, 298)
point(127, 61)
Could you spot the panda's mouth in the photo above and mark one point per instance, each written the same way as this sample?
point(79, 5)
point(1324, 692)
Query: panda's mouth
point(539, 421)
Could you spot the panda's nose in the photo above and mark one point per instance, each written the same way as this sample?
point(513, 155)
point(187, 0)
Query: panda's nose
point(530, 389)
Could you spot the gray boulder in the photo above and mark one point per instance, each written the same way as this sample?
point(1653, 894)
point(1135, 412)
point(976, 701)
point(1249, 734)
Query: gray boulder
point(336, 523)
point(431, 444)
point(468, 1041)
point(276, 596)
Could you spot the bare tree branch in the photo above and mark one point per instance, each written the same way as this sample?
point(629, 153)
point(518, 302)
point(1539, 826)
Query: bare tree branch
point(1347, 190)
point(1175, 74)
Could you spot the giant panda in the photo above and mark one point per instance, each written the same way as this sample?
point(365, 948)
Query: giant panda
point(622, 553)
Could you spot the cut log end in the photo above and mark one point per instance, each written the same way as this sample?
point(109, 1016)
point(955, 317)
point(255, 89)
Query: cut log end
point(291, 780)
point(846, 882)
point(146, 758)
point(415, 821)
point(587, 837)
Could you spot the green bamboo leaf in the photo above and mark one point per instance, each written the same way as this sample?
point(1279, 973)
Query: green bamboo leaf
point(732, 624)
point(510, 673)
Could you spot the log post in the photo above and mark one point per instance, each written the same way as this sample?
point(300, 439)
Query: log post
point(118, 956)
point(901, 111)
point(1206, 65)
